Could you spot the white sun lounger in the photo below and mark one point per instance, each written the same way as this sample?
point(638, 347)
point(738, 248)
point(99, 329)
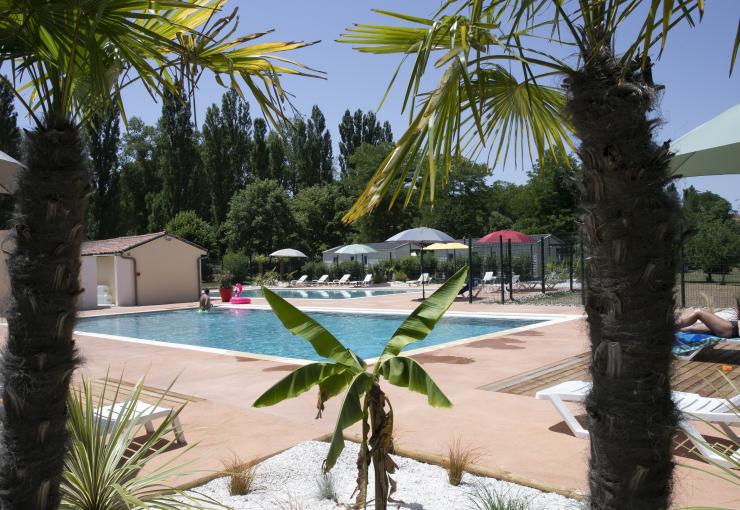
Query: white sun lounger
point(142, 414)
point(299, 281)
point(423, 278)
point(321, 280)
point(363, 283)
point(692, 406)
point(344, 280)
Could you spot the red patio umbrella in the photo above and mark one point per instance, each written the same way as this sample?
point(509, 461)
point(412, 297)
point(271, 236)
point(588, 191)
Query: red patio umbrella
point(516, 237)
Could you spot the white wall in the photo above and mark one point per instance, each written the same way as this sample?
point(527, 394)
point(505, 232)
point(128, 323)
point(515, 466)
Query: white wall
point(168, 271)
point(125, 292)
point(89, 282)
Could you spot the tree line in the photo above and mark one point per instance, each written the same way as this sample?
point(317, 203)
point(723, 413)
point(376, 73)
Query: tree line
point(236, 186)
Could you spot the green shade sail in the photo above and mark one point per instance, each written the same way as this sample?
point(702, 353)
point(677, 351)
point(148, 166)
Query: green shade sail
point(710, 149)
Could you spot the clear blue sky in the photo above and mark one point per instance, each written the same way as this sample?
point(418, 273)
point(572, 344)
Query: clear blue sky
point(694, 69)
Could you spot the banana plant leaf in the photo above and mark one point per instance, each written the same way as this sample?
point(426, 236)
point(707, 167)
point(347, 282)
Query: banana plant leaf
point(350, 413)
point(322, 341)
point(299, 381)
point(422, 320)
point(407, 373)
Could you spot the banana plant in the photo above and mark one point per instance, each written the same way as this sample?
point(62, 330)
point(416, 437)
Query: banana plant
point(364, 400)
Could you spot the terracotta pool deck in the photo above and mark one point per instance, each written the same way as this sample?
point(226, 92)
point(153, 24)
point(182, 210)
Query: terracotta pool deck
point(516, 435)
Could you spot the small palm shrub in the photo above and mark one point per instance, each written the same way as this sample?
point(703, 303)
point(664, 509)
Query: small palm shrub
point(103, 472)
point(241, 476)
point(459, 458)
point(484, 497)
point(364, 401)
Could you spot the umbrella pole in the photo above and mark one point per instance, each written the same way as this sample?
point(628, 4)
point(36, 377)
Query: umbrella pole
point(421, 263)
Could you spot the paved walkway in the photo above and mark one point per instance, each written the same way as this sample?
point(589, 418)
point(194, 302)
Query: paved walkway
point(516, 434)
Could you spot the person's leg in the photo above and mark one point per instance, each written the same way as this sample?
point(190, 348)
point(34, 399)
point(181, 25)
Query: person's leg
point(709, 323)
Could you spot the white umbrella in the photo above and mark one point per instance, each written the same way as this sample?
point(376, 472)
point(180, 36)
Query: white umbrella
point(289, 253)
point(422, 236)
point(9, 169)
point(710, 149)
point(355, 249)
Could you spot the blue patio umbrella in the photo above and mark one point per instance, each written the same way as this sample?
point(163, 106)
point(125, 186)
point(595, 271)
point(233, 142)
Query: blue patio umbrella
point(423, 236)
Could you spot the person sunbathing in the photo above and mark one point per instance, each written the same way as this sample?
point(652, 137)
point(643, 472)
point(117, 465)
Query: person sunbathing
point(722, 323)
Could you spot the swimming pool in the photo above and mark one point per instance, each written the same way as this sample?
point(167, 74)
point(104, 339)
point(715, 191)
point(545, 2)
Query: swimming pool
point(259, 331)
point(325, 293)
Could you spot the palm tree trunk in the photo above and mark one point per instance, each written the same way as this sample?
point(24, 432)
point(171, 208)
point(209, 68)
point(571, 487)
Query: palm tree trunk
point(632, 229)
point(40, 355)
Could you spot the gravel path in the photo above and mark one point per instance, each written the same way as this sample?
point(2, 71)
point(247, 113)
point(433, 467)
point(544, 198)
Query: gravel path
point(290, 481)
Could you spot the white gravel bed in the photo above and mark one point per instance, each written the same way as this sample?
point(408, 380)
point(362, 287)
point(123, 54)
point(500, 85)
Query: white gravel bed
point(289, 481)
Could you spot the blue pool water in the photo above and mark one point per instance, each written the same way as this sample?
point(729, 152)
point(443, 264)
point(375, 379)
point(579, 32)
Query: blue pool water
point(260, 331)
point(324, 293)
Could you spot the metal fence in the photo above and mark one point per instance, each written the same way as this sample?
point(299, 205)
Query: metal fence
point(715, 287)
point(546, 272)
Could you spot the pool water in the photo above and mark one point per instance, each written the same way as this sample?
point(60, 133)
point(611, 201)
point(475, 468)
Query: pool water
point(259, 331)
point(324, 293)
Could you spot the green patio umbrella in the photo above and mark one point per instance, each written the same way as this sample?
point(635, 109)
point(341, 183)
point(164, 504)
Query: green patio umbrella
point(710, 149)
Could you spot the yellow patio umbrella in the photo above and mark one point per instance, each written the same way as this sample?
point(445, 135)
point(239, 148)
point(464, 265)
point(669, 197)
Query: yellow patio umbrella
point(446, 246)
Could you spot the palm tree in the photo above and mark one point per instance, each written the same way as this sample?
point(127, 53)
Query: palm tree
point(69, 59)
point(364, 400)
point(630, 214)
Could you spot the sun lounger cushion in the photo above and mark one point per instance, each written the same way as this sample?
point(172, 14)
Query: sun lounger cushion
point(690, 342)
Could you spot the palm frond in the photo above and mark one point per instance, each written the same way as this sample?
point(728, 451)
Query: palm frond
point(74, 56)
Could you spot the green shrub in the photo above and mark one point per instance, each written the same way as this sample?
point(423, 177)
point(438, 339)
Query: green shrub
point(409, 265)
point(383, 270)
point(268, 279)
point(400, 276)
point(353, 267)
point(523, 267)
point(237, 264)
point(191, 227)
point(484, 497)
point(314, 269)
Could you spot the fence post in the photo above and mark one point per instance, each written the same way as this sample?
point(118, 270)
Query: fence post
point(511, 273)
point(501, 263)
point(542, 262)
point(583, 274)
point(470, 270)
point(570, 265)
point(683, 278)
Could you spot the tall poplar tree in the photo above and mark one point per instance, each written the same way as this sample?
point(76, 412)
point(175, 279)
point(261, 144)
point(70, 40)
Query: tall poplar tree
point(260, 157)
point(178, 165)
point(103, 139)
point(320, 165)
point(356, 129)
point(137, 178)
point(226, 151)
point(277, 165)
